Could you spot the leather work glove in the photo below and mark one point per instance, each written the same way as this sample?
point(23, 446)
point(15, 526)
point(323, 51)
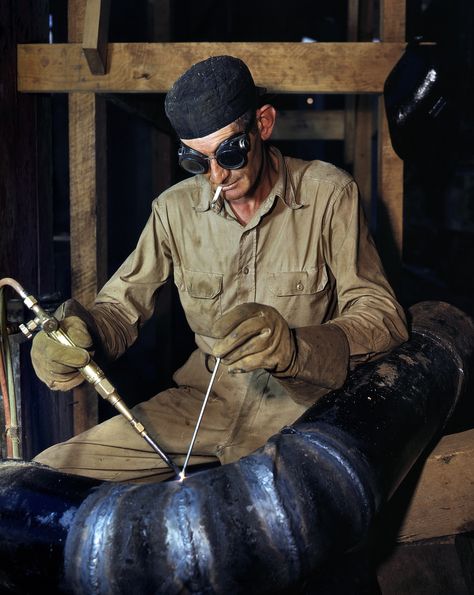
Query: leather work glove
point(253, 336)
point(309, 361)
point(56, 364)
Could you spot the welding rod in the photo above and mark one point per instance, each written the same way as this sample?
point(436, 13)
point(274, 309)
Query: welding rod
point(91, 372)
point(95, 376)
point(198, 423)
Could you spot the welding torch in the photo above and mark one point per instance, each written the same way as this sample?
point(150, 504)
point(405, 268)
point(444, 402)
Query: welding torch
point(91, 371)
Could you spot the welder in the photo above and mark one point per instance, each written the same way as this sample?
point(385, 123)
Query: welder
point(277, 274)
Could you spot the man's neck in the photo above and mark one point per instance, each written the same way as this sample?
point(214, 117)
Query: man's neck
point(245, 208)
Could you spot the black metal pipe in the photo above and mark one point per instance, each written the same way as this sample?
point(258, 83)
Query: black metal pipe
point(264, 523)
point(268, 521)
point(37, 509)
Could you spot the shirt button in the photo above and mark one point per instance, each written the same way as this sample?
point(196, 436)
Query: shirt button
point(300, 286)
point(246, 270)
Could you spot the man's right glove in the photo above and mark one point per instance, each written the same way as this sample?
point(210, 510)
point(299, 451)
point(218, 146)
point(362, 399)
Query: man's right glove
point(58, 365)
point(252, 336)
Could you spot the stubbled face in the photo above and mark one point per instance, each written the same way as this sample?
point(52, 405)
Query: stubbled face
point(236, 183)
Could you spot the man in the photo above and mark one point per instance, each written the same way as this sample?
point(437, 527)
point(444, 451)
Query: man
point(277, 275)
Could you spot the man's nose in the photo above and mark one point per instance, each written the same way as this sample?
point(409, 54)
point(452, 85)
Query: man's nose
point(218, 174)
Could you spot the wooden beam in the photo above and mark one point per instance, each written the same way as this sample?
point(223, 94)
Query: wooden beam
point(87, 196)
point(389, 234)
point(390, 175)
point(362, 156)
point(350, 100)
point(94, 42)
point(88, 200)
point(76, 16)
point(309, 125)
point(439, 566)
point(153, 67)
point(392, 20)
point(359, 110)
point(443, 501)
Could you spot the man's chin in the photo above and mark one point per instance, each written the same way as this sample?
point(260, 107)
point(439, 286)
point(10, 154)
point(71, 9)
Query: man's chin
point(232, 191)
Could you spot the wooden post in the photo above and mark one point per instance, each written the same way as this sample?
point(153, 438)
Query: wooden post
point(389, 235)
point(359, 110)
point(362, 155)
point(88, 200)
point(442, 502)
point(94, 43)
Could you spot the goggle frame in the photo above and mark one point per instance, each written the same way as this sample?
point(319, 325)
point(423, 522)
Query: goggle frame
point(237, 145)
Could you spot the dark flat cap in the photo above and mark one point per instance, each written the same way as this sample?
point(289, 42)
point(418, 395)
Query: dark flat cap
point(210, 95)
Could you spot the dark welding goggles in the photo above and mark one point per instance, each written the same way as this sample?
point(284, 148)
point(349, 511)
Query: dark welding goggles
point(231, 154)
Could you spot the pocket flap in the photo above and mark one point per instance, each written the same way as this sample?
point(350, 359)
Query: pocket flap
point(298, 282)
point(203, 285)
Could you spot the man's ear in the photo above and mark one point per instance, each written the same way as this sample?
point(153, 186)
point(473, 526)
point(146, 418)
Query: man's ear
point(266, 117)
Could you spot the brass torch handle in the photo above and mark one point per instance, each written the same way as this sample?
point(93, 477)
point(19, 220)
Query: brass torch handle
point(94, 374)
point(91, 372)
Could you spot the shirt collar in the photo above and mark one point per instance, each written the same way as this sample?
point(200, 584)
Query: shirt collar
point(283, 189)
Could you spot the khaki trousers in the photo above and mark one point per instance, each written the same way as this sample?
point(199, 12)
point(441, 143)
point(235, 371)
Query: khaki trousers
point(243, 411)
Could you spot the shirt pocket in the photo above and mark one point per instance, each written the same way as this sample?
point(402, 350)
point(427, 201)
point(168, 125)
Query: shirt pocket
point(200, 294)
point(301, 297)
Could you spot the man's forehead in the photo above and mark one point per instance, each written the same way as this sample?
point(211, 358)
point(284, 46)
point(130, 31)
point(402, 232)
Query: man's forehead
point(211, 141)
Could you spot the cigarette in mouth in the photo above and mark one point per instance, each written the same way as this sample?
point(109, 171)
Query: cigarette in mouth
point(216, 195)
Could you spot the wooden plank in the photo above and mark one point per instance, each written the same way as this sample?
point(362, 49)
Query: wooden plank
point(359, 28)
point(389, 235)
point(76, 16)
point(94, 43)
point(359, 110)
point(390, 174)
point(153, 67)
point(87, 190)
point(87, 155)
point(362, 169)
point(350, 100)
point(88, 199)
point(432, 567)
point(443, 501)
point(392, 20)
point(309, 125)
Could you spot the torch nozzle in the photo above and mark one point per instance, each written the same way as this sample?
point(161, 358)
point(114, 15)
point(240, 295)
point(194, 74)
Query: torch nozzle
point(91, 371)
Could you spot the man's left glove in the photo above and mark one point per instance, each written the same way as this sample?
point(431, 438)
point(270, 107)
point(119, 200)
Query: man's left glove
point(252, 336)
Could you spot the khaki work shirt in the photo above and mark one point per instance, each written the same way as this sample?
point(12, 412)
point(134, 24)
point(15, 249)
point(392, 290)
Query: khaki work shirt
point(307, 252)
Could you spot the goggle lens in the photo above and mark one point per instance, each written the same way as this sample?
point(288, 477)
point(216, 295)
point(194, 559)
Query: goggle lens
point(231, 154)
point(193, 165)
point(232, 159)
